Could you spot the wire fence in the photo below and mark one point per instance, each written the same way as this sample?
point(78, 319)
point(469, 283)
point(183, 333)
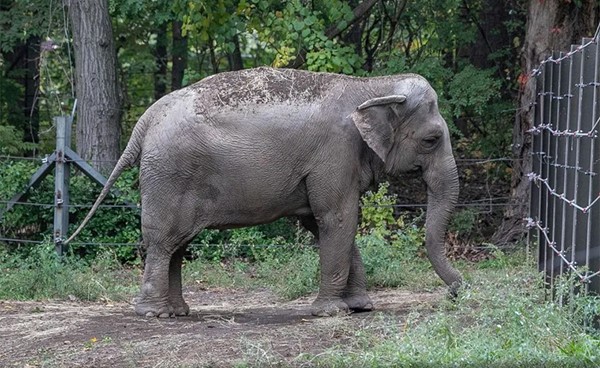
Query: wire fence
point(459, 161)
point(565, 196)
point(484, 206)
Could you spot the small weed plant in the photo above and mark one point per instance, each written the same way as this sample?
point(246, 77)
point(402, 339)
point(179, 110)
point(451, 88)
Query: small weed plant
point(391, 248)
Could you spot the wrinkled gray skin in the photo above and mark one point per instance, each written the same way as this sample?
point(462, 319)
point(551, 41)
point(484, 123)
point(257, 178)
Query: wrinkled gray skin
point(248, 147)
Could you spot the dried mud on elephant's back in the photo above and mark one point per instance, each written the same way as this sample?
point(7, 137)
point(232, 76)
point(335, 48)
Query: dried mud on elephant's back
point(224, 327)
point(231, 90)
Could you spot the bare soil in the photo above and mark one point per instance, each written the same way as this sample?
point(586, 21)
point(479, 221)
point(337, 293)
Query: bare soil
point(225, 327)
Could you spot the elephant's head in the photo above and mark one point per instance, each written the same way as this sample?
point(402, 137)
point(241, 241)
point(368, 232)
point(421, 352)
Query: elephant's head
point(406, 131)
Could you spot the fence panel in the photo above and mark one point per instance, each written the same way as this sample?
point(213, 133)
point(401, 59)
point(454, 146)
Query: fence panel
point(565, 198)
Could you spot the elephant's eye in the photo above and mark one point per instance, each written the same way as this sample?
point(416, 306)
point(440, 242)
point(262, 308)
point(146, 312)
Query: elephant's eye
point(430, 141)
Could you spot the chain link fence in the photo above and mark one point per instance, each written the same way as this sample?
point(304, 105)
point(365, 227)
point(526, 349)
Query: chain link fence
point(565, 197)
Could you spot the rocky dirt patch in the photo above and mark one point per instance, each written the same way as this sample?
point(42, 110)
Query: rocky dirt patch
point(225, 327)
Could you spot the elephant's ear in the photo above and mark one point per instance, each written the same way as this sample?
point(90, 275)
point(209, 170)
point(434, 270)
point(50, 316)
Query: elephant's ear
point(372, 121)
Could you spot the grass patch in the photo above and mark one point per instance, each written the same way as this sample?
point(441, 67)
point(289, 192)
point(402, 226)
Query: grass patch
point(290, 274)
point(42, 275)
point(501, 320)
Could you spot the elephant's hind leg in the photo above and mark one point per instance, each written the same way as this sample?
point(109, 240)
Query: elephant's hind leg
point(179, 306)
point(161, 294)
point(154, 295)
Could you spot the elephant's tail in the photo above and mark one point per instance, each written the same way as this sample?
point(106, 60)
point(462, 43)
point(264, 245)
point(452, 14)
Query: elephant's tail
point(129, 158)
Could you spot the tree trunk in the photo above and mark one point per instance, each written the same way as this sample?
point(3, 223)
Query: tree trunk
point(22, 67)
point(98, 103)
point(235, 57)
point(160, 59)
point(180, 48)
point(213, 56)
point(354, 34)
point(492, 34)
point(551, 25)
point(31, 90)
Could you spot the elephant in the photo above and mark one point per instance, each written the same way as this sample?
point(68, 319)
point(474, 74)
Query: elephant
point(248, 147)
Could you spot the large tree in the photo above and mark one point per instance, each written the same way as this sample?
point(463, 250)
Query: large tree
point(98, 102)
point(180, 49)
point(21, 24)
point(551, 25)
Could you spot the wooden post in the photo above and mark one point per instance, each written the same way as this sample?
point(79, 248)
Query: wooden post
point(62, 175)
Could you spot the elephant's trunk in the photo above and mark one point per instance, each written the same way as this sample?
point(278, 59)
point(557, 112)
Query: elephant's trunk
point(442, 191)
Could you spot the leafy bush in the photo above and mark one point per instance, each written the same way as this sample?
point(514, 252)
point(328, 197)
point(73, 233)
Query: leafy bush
point(253, 244)
point(122, 224)
point(377, 211)
point(463, 222)
point(471, 91)
point(11, 141)
point(388, 246)
point(296, 27)
point(34, 222)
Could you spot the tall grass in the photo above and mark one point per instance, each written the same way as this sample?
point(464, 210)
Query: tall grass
point(40, 274)
point(501, 320)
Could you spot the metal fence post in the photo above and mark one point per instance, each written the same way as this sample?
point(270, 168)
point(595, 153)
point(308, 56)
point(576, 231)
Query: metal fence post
point(566, 196)
point(61, 181)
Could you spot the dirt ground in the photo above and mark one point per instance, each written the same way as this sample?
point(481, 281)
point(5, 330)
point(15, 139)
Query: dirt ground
point(224, 328)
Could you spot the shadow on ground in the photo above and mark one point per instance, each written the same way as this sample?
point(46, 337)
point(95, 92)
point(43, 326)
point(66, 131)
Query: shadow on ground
point(225, 327)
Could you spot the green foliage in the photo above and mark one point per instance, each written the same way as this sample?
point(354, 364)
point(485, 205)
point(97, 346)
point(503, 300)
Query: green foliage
point(463, 222)
point(297, 27)
point(42, 275)
point(11, 141)
point(253, 244)
point(377, 211)
point(585, 308)
point(290, 273)
point(109, 225)
point(294, 275)
point(20, 19)
point(388, 246)
point(471, 90)
point(501, 320)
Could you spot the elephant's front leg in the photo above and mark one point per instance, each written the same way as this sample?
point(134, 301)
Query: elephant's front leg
point(355, 294)
point(337, 229)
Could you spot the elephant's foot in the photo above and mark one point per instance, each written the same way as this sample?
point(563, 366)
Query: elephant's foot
point(359, 302)
point(180, 308)
point(160, 310)
point(322, 307)
point(153, 307)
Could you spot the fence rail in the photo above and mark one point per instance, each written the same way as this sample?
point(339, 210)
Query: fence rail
point(565, 198)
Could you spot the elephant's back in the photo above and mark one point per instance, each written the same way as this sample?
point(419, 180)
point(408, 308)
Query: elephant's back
point(253, 88)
